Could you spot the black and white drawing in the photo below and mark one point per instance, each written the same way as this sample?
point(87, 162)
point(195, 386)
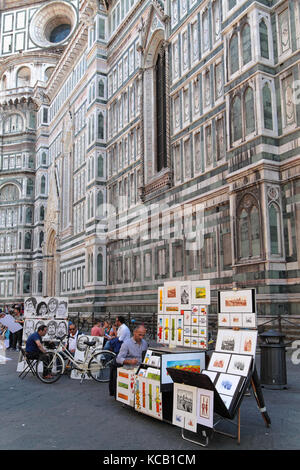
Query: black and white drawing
point(42, 310)
point(185, 401)
point(239, 364)
point(228, 341)
point(30, 307)
point(46, 307)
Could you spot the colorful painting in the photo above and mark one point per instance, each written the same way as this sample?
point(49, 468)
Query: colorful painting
point(219, 362)
point(200, 292)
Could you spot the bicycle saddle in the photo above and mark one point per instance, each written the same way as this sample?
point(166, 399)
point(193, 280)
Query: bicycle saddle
point(89, 343)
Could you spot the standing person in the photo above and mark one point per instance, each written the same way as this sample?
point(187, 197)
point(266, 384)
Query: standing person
point(97, 329)
point(35, 350)
point(123, 333)
point(72, 338)
point(109, 331)
point(17, 336)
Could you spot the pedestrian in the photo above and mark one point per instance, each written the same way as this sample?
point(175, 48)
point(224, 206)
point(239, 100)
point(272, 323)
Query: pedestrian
point(97, 329)
point(17, 336)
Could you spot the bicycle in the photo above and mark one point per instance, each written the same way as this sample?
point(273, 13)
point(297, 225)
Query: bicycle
point(97, 366)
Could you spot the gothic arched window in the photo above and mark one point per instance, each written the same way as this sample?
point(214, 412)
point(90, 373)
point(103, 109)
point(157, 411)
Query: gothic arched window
point(248, 227)
point(100, 126)
point(236, 119)
point(234, 54)
point(101, 89)
point(161, 122)
point(264, 40)
point(100, 204)
point(274, 227)
point(42, 213)
point(246, 44)
point(30, 187)
point(26, 282)
point(28, 215)
point(249, 111)
point(27, 243)
point(43, 184)
point(267, 107)
point(23, 77)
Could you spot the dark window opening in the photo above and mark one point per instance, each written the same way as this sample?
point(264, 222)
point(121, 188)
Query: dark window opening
point(161, 107)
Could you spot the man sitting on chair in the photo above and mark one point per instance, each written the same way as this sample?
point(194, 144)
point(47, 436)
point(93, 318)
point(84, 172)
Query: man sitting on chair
point(35, 350)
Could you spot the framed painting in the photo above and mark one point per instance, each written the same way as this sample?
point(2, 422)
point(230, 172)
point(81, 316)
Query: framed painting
point(172, 293)
point(171, 309)
point(185, 295)
point(248, 342)
point(200, 292)
point(239, 364)
point(224, 320)
point(249, 320)
point(228, 341)
point(210, 374)
point(237, 301)
point(236, 320)
point(160, 328)
point(219, 362)
point(205, 407)
point(161, 299)
point(185, 407)
point(228, 384)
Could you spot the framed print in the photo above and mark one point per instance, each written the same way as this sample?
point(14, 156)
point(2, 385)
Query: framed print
point(228, 384)
point(210, 374)
point(171, 309)
point(195, 331)
point(205, 407)
point(200, 292)
point(219, 362)
point(239, 301)
point(148, 356)
point(195, 310)
point(166, 332)
point(203, 310)
point(161, 299)
point(179, 331)
point(202, 343)
point(224, 319)
point(172, 293)
point(203, 332)
point(173, 330)
point(179, 361)
point(187, 341)
point(248, 342)
point(160, 329)
point(195, 320)
point(187, 318)
point(239, 364)
point(185, 407)
point(227, 400)
point(187, 331)
point(202, 321)
point(228, 341)
point(236, 320)
point(249, 320)
point(185, 295)
point(194, 343)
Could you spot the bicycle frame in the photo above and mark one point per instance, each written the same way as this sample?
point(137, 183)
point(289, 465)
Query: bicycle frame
point(80, 366)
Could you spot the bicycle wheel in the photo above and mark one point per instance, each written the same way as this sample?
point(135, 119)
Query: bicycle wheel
point(50, 367)
point(99, 365)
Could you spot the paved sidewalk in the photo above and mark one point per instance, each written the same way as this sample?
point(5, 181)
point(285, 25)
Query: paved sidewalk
point(69, 415)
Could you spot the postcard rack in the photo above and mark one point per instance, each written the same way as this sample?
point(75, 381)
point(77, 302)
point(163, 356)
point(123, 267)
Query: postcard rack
point(221, 412)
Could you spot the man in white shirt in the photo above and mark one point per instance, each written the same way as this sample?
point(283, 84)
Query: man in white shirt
point(123, 332)
point(72, 339)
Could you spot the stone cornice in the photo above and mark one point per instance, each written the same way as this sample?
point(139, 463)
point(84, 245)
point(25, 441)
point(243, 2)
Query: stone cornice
point(52, 55)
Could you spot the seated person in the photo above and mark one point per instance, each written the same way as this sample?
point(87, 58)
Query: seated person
point(35, 350)
point(133, 349)
point(131, 354)
point(72, 338)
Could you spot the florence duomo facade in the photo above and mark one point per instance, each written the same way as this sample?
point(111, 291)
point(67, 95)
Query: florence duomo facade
point(145, 141)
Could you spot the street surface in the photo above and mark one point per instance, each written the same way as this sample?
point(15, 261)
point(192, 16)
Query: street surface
point(68, 415)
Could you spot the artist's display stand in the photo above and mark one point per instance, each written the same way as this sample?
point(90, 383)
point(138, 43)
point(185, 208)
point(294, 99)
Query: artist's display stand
point(221, 413)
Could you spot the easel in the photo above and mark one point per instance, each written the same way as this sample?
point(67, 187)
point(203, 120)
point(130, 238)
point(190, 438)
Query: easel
point(203, 381)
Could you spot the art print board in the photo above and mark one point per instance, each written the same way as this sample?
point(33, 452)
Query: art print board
point(239, 301)
point(46, 307)
point(185, 407)
point(200, 292)
point(205, 407)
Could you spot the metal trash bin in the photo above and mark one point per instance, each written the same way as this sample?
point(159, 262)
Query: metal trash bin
point(273, 360)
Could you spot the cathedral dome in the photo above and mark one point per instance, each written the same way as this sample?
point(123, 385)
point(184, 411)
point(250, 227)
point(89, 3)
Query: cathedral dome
point(53, 24)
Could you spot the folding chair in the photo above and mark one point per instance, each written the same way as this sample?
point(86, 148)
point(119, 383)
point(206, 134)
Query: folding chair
point(30, 365)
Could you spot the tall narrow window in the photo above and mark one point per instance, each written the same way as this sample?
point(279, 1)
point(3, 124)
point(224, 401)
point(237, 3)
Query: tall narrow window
point(264, 40)
point(236, 119)
point(100, 268)
point(43, 185)
point(249, 111)
point(100, 126)
point(255, 232)
point(27, 244)
point(234, 54)
point(244, 235)
point(26, 282)
point(267, 106)
point(40, 282)
point(274, 229)
point(161, 127)
point(246, 44)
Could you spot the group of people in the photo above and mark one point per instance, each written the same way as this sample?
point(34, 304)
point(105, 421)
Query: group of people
point(14, 340)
